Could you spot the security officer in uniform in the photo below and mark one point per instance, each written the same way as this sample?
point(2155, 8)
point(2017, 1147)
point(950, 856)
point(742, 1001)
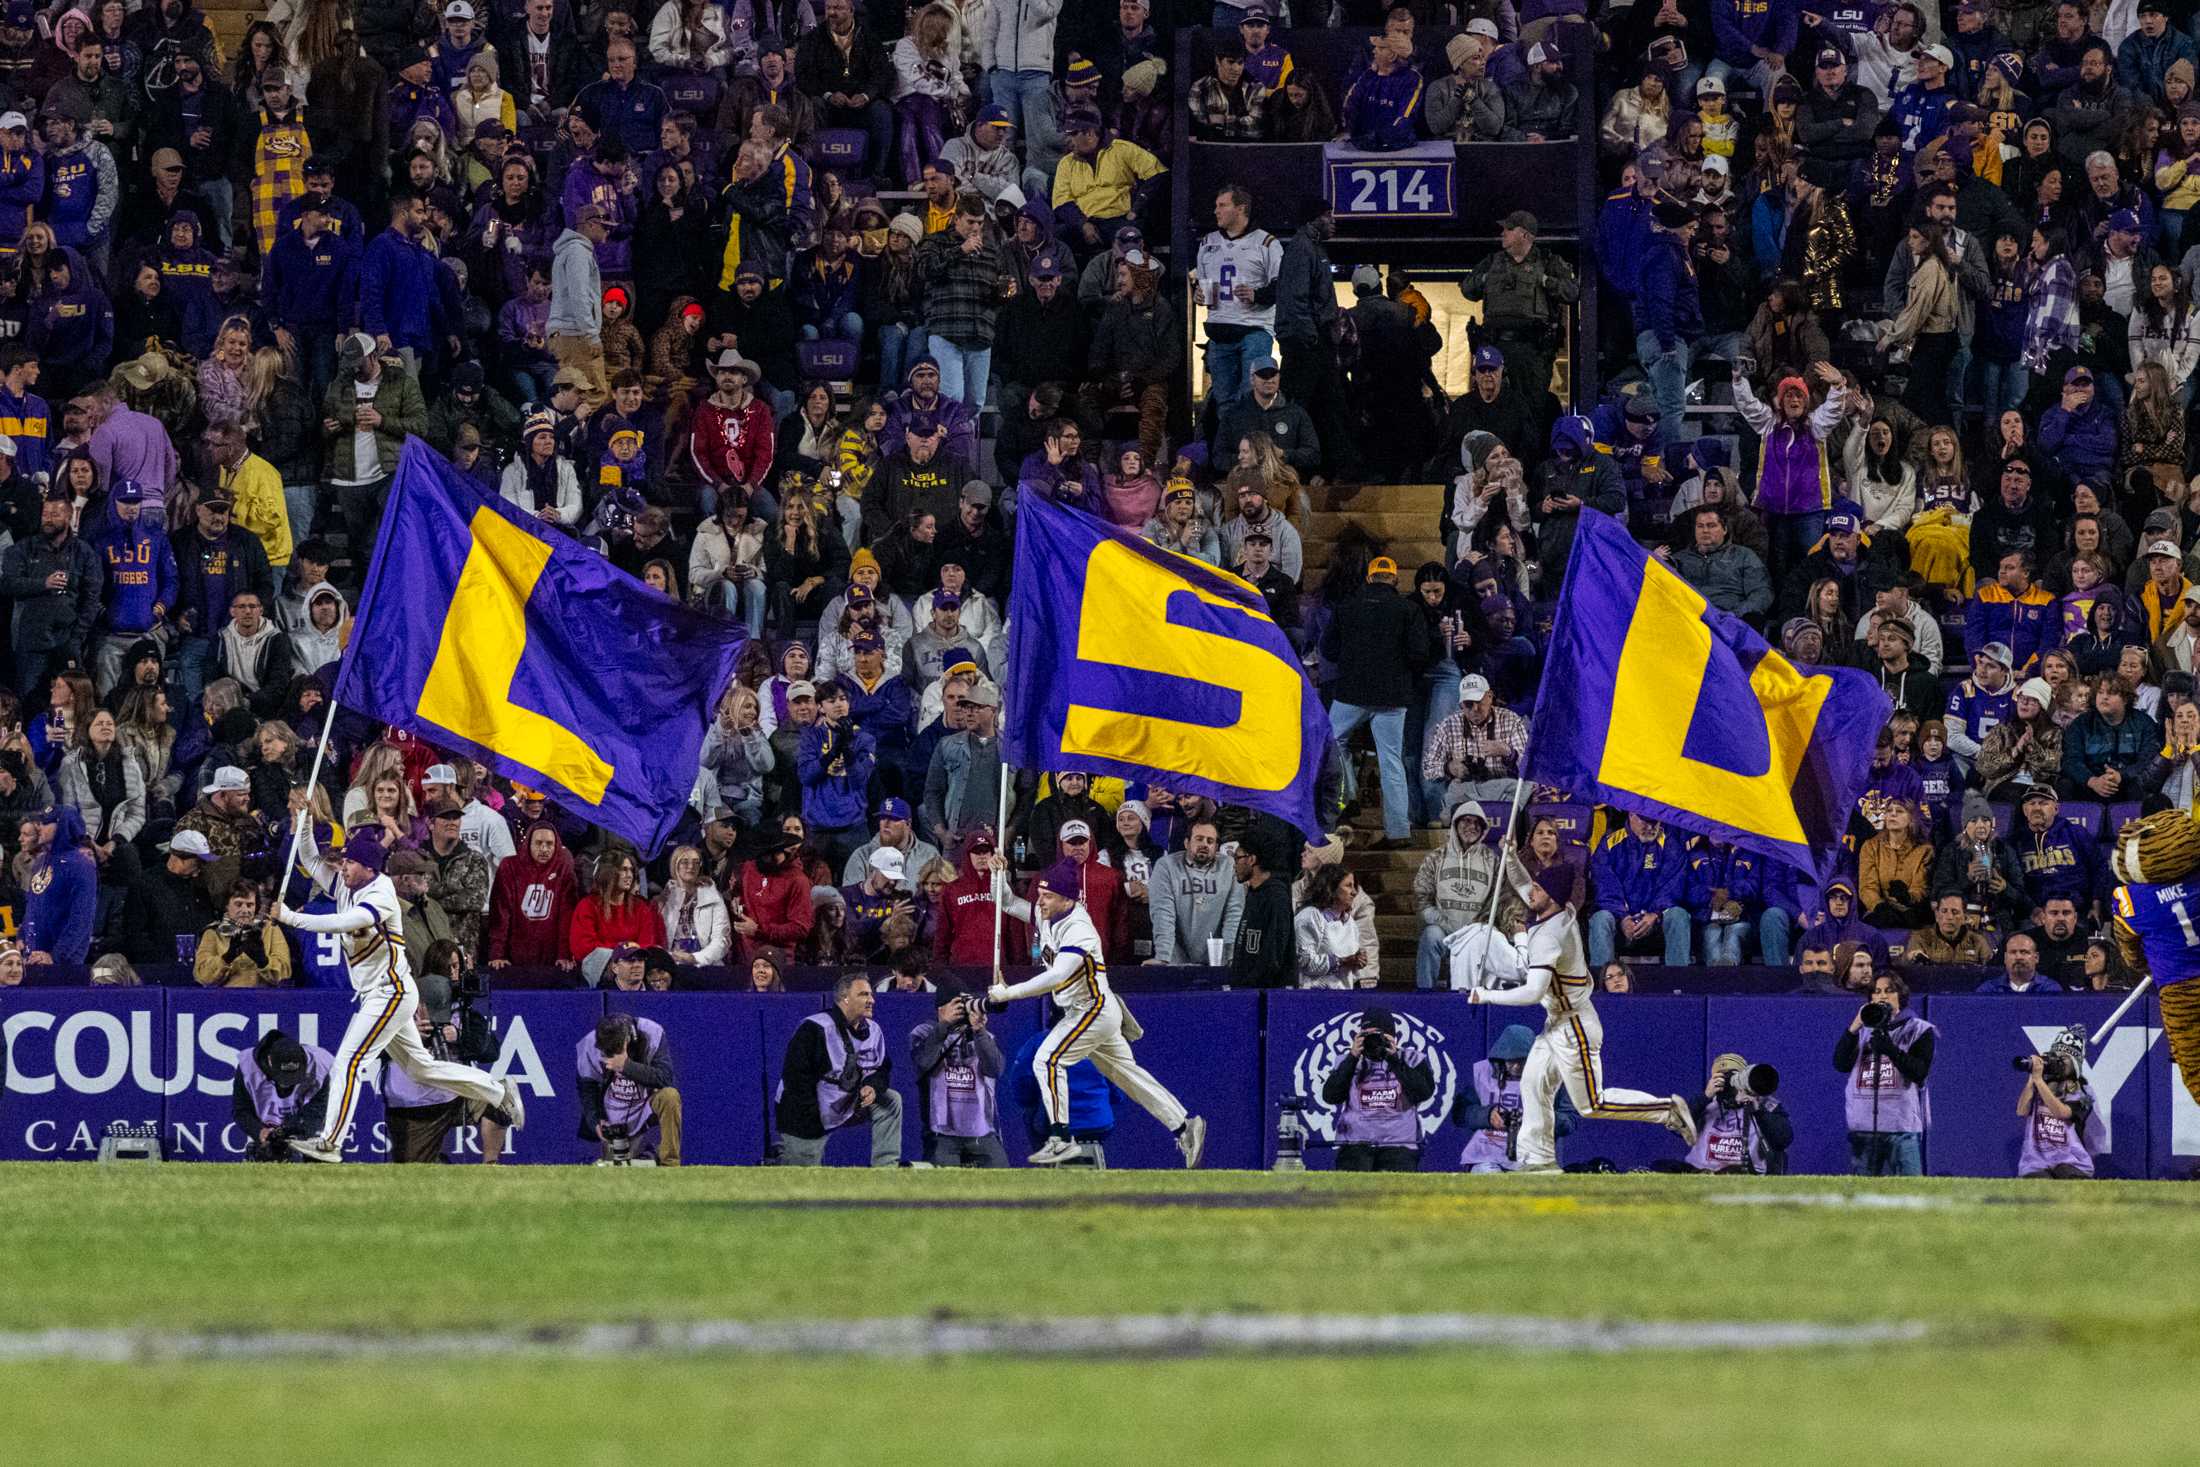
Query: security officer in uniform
point(1522, 289)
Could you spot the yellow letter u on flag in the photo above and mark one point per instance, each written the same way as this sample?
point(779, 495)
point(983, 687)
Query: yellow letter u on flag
point(469, 685)
point(1662, 667)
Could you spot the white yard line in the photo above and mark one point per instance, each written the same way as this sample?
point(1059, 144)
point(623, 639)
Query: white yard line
point(1896, 1201)
point(910, 1336)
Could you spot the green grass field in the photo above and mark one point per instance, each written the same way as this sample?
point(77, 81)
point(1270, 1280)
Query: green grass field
point(2063, 1318)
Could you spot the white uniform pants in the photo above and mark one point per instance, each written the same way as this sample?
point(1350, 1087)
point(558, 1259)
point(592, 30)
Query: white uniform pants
point(384, 1022)
point(1572, 1056)
point(1097, 1034)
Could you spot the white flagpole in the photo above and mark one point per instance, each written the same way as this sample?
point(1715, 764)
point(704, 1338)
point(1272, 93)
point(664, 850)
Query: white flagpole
point(297, 830)
point(1000, 878)
point(2123, 1008)
point(1504, 847)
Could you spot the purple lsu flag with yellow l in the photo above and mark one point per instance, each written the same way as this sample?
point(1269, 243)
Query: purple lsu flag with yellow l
point(480, 629)
point(1659, 703)
point(1134, 661)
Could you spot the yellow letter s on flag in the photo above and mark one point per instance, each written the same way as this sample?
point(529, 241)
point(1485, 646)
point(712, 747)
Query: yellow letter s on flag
point(1124, 622)
point(468, 688)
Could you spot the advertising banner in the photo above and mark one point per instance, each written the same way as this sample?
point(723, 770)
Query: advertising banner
point(1310, 1033)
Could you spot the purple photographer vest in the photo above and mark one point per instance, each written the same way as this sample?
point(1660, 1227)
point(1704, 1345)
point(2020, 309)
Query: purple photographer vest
point(1901, 1106)
point(1728, 1139)
point(845, 1068)
point(958, 1098)
point(272, 1107)
point(1375, 1111)
point(625, 1103)
point(1487, 1148)
point(401, 1091)
point(2051, 1141)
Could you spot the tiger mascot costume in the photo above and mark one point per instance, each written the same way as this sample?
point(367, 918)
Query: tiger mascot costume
point(2157, 858)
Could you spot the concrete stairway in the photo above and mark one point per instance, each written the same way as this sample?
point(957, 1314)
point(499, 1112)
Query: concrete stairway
point(1403, 518)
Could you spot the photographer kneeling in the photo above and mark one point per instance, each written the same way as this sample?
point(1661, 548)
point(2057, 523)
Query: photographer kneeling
point(1885, 1097)
point(626, 1088)
point(1492, 1110)
point(1740, 1127)
point(281, 1091)
point(1378, 1091)
point(2062, 1122)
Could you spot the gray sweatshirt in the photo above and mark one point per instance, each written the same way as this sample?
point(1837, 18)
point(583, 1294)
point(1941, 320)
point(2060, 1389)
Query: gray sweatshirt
point(1191, 904)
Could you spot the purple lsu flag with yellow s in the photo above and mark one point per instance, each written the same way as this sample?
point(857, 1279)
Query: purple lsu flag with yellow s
point(1659, 703)
point(1134, 661)
point(482, 630)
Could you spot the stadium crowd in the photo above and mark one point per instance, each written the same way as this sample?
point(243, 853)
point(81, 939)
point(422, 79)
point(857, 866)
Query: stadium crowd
point(784, 307)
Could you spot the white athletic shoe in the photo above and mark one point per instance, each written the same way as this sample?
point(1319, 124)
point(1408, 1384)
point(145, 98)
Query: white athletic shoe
point(1681, 1123)
point(1538, 1166)
point(1192, 1140)
point(513, 1104)
point(1057, 1150)
point(309, 1148)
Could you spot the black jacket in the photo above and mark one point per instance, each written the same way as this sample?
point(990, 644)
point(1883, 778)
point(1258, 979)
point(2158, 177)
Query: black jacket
point(1416, 1081)
point(164, 906)
point(819, 67)
point(1041, 341)
point(983, 555)
point(796, 1113)
point(1378, 643)
point(1266, 955)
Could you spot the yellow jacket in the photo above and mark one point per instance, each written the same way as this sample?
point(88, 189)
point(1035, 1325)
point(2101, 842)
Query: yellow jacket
point(1101, 189)
point(256, 494)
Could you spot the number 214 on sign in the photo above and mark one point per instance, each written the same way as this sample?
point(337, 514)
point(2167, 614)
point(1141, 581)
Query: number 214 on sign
point(1416, 190)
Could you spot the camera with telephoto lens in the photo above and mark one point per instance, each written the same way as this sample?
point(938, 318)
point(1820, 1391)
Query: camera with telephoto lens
point(1374, 1044)
point(618, 1147)
point(2062, 1062)
point(2056, 1068)
point(1752, 1082)
point(1878, 1015)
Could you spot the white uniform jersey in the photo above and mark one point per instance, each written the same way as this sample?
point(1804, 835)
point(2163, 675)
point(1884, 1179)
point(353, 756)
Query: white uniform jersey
point(369, 920)
point(1072, 971)
point(1070, 947)
point(1254, 259)
point(1553, 946)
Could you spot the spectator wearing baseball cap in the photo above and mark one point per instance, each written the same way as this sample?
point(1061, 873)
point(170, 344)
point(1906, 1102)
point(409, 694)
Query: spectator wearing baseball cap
point(984, 158)
point(896, 832)
point(1264, 409)
point(168, 905)
point(1494, 402)
point(1100, 182)
point(2079, 433)
point(1541, 106)
point(1379, 642)
point(576, 293)
point(1042, 331)
point(1523, 291)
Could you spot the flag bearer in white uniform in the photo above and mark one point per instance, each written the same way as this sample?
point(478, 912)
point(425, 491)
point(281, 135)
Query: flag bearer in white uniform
point(1569, 1051)
point(374, 949)
point(1094, 1024)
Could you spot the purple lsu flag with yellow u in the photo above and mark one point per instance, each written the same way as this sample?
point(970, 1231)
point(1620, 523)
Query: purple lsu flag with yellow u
point(1130, 660)
point(1659, 703)
point(482, 630)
